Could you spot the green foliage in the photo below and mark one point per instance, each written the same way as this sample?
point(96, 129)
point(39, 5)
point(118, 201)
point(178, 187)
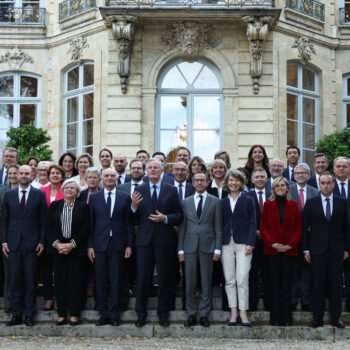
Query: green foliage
point(335, 145)
point(30, 141)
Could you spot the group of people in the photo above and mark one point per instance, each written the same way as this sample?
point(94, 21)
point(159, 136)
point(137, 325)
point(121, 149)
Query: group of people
point(262, 229)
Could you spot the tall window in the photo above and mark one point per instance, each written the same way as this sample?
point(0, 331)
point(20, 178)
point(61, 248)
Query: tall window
point(346, 101)
point(79, 108)
point(302, 109)
point(19, 10)
point(347, 11)
point(190, 108)
point(20, 101)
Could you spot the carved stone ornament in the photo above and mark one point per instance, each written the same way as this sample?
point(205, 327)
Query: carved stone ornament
point(257, 30)
point(305, 49)
point(77, 46)
point(123, 30)
point(190, 37)
point(15, 58)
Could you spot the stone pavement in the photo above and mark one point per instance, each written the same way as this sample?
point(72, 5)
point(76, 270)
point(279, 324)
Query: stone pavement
point(134, 343)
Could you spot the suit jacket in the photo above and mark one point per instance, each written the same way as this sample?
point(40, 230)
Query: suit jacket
point(285, 174)
point(80, 230)
point(1, 173)
point(168, 204)
point(258, 212)
point(313, 182)
point(214, 191)
point(127, 179)
point(83, 195)
point(311, 192)
point(337, 192)
point(189, 190)
point(204, 234)
point(321, 237)
point(166, 179)
point(47, 189)
point(271, 230)
point(102, 223)
point(241, 224)
point(30, 224)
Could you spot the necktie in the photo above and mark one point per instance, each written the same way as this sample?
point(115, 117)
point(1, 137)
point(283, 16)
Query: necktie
point(119, 180)
point(261, 201)
point(180, 192)
point(301, 195)
point(328, 210)
point(292, 177)
point(199, 208)
point(342, 192)
point(109, 203)
point(154, 197)
point(23, 201)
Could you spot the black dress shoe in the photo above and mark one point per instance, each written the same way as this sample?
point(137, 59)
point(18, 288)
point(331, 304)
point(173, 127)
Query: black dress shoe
point(338, 324)
point(191, 321)
point(305, 307)
point(141, 321)
point(15, 321)
point(28, 321)
point(293, 307)
point(316, 323)
point(115, 322)
point(61, 323)
point(103, 321)
point(8, 311)
point(164, 322)
point(203, 321)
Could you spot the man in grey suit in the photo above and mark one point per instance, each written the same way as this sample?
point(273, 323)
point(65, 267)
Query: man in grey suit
point(200, 240)
point(301, 192)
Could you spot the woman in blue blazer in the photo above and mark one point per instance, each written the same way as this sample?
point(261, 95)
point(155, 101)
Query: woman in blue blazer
point(239, 236)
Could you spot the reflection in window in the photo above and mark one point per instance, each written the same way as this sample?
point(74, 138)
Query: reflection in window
point(302, 109)
point(79, 109)
point(190, 107)
point(346, 101)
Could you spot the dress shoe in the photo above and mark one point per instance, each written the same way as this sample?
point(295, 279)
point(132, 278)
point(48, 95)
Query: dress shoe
point(8, 311)
point(316, 323)
point(305, 307)
point(28, 321)
point(191, 321)
point(141, 321)
point(231, 323)
point(15, 321)
point(115, 322)
point(74, 323)
point(103, 321)
point(338, 324)
point(61, 322)
point(203, 321)
point(164, 322)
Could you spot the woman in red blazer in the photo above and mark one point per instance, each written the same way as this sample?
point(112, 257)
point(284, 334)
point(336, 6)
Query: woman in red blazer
point(280, 230)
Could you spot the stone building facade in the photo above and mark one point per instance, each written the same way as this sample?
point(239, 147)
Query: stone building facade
point(154, 74)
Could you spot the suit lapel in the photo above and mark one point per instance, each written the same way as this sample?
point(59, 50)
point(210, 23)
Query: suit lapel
point(205, 207)
point(29, 199)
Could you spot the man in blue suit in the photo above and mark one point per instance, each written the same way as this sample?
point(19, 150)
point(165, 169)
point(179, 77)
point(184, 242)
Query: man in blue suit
point(320, 165)
point(23, 222)
point(111, 241)
point(9, 157)
point(157, 208)
point(293, 155)
point(120, 163)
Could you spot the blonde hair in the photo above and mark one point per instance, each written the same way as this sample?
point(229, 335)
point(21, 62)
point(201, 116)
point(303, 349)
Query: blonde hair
point(275, 182)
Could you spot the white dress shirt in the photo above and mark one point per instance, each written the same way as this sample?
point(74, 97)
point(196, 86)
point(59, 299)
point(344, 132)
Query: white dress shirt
point(4, 173)
point(263, 194)
point(20, 194)
point(291, 170)
point(304, 192)
point(346, 186)
point(176, 184)
point(112, 202)
point(324, 203)
point(233, 202)
point(133, 183)
point(215, 185)
point(122, 177)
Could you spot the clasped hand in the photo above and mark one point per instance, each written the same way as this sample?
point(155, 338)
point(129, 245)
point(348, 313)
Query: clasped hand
point(281, 248)
point(64, 248)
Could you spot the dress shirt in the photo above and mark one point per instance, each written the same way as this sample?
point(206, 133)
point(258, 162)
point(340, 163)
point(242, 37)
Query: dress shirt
point(215, 185)
point(233, 202)
point(346, 186)
point(122, 177)
point(66, 219)
point(176, 184)
point(317, 176)
point(106, 192)
point(291, 171)
point(4, 174)
point(20, 194)
point(257, 194)
point(133, 183)
point(304, 193)
point(324, 203)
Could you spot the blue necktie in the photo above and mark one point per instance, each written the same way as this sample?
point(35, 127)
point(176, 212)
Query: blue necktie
point(342, 191)
point(328, 210)
point(154, 197)
point(180, 192)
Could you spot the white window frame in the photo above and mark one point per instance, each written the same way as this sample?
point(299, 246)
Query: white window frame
point(80, 92)
point(190, 92)
point(301, 93)
point(346, 98)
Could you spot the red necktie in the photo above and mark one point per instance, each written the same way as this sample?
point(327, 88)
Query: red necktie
point(23, 201)
point(301, 195)
point(261, 202)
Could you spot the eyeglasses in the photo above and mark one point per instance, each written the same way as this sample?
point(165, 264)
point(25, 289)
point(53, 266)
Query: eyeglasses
point(301, 173)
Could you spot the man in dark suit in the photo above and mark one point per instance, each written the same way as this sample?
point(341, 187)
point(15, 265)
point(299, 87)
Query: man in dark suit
point(302, 192)
point(120, 163)
point(326, 244)
point(136, 172)
point(9, 157)
point(341, 171)
point(111, 241)
point(144, 156)
point(183, 154)
point(276, 170)
point(157, 208)
point(320, 165)
point(23, 221)
point(164, 177)
point(261, 193)
point(293, 155)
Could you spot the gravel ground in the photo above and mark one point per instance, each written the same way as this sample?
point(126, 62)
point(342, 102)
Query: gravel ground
point(126, 343)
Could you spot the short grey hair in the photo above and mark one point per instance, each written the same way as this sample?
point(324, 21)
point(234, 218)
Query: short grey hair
point(113, 170)
point(304, 166)
point(341, 158)
point(92, 169)
point(182, 163)
point(71, 180)
point(45, 163)
point(157, 161)
point(236, 174)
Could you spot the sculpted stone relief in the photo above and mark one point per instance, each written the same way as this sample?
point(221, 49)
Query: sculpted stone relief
point(15, 58)
point(305, 49)
point(77, 46)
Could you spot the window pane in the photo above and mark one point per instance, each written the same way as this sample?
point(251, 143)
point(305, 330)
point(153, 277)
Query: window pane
point(174, 79)
point(72, 110)
point(308, 110)
point(88, 149)
point(206, 112)
point(292, 133)
point(348, 86)
point(206, 80)
point(348, 115)
point(170, 139)
point(27, 114)
point(190, 70)
point(292, 107)
point(292, 75)
point(308, 157)
point(87, 132)
point(72, 135)
point(88, 74)
point(73, 79)
point(173, 111)
point(309, 136)
point(206, 143)
point(88, 106)
point(6, 122)
point(29, 86)
point(6, 86)
point(308, 79)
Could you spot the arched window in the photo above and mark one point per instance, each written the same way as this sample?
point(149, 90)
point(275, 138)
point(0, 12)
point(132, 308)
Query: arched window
point(302, 109)
point(346, 101)
point(190, 108)
point(20, 101)
point(79, 108)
